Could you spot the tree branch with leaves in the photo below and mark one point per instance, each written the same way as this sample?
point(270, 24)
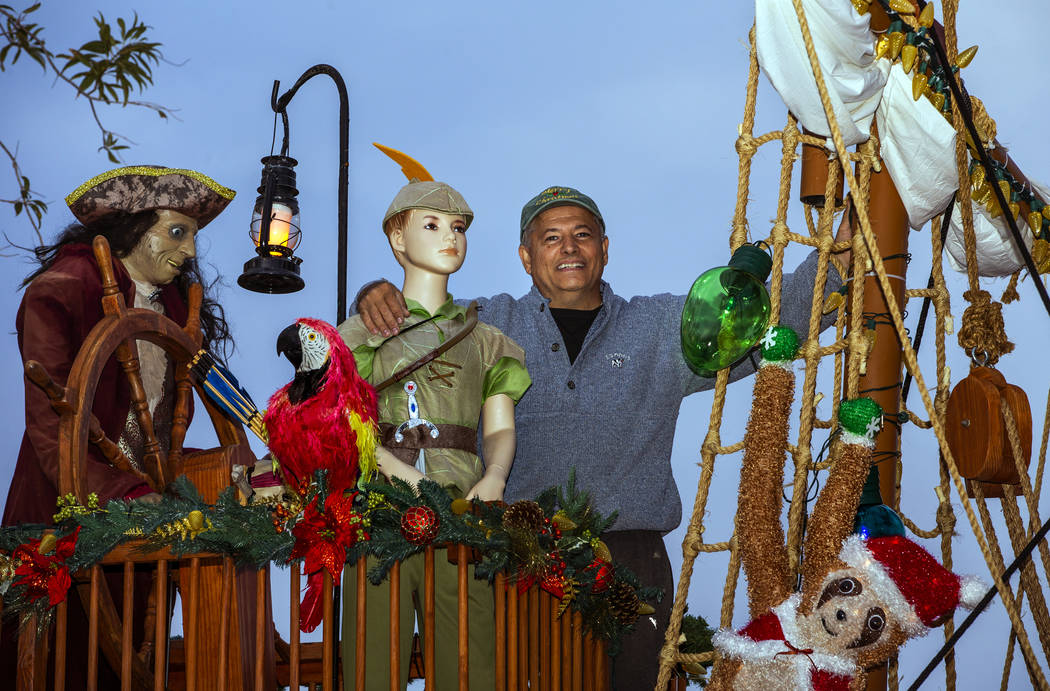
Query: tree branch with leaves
point(107, 70)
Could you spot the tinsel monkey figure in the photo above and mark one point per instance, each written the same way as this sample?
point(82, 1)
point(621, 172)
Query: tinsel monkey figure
point(860, 599)
point(325, 417)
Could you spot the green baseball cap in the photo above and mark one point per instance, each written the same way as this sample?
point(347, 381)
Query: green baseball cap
point(556, 196)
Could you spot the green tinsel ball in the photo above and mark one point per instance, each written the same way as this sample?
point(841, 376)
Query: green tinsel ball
point(857, 415)
point(780, 344)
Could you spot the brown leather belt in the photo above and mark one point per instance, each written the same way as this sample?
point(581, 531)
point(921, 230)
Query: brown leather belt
point(418, 437)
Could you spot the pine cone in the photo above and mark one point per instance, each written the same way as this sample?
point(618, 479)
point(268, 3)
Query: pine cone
point(624, 603)
point(524, 516)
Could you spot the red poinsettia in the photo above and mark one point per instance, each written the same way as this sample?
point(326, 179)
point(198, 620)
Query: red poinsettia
point(322, 537)
point(45, 574)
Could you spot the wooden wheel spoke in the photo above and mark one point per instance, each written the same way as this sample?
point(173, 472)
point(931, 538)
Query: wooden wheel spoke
point(153, 458)
point(37, 374)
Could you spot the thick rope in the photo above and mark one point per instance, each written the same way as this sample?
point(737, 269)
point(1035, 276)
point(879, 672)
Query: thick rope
point(811, 352)
point(1035, 673)
point(983, 333)
point(909, 353)
point(1029, 579)
point(1034, 520)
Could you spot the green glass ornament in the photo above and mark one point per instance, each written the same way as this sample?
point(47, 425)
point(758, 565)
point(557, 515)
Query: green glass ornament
point(726, 312)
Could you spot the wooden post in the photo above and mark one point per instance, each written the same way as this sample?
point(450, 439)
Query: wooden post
point(429, 612)
point(881, 379)
point(500, 605)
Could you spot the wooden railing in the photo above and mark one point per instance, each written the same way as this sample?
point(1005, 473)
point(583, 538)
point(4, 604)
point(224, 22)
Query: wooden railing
point(535, 648)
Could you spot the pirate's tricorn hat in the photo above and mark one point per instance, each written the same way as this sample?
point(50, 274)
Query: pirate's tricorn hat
point(142, 188)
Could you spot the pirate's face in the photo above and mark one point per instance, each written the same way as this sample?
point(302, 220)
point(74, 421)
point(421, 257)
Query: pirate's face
point(164, 250)
point(849, 617)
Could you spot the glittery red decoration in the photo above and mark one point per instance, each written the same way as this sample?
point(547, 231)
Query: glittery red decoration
point(552, 580)
point(932, 590)
point(603, 575)
point(322, 537)
point(419, 525)
point(45, 574)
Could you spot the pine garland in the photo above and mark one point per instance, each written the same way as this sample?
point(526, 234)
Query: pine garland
point(561, 550)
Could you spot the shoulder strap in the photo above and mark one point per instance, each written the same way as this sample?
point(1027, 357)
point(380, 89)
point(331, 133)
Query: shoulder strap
point(472, 321)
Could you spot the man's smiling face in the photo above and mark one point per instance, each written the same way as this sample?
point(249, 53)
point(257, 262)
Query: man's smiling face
point(565, 252)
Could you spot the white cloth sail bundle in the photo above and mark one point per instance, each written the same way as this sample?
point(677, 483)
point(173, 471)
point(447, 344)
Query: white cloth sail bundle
point(844, 46)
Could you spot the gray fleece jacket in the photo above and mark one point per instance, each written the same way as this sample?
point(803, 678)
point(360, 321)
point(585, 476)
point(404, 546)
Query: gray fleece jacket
point(611, 414)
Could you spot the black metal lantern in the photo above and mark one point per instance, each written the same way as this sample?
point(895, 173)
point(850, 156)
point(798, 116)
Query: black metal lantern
point(275, 222)
point(275, 231)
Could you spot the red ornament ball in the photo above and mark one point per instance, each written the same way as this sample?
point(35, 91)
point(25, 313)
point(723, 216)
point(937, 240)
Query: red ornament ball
point(603, 575)
point(419, 525)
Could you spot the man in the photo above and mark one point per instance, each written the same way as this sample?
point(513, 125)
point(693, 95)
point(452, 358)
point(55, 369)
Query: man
point(608, 377)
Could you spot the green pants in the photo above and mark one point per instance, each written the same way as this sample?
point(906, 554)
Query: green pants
point(481, 628)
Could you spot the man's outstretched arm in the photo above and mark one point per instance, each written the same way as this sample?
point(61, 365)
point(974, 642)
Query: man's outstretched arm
point(382, 307)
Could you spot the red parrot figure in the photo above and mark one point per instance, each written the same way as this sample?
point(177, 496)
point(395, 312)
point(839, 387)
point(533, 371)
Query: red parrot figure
point(326, 416)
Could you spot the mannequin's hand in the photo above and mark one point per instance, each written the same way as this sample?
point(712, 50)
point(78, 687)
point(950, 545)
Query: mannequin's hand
point(489, 488)
point(391, 467)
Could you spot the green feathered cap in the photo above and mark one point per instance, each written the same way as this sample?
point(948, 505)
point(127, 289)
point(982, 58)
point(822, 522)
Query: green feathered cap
point(432, 195)
point(132, 189)
point(779, 344)
point(861, 420)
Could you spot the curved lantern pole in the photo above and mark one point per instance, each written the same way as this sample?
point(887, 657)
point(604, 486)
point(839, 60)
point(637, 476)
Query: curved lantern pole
point(276, 268)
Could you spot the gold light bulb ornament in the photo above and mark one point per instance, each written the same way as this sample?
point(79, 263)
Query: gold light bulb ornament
point(1015, 209)
point(896, 44)
point(47, 544)
point(1035, 221)
point(965, 57)
point(862, 6)
point(977, 178)
point(1041, 255)
point(982, 194)
point(926, 16)
point(938, 101)
point(1046, 212)
point(902, 7)
point(1005, 187)
point(908, 55)
point(918, 86)
point(882, 46)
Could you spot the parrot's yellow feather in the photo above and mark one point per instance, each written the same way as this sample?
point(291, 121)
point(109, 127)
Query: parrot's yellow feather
point(367, 440)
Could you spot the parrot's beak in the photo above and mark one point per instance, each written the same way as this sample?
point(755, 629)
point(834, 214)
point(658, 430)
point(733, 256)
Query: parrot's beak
point(288, 345)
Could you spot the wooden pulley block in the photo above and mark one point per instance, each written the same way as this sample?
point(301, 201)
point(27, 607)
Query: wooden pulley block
point(976, 430)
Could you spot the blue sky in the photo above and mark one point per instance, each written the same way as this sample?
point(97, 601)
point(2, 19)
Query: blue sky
point(637, 104)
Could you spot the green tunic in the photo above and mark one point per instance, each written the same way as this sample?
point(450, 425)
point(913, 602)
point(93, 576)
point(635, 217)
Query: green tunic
point(450, 389)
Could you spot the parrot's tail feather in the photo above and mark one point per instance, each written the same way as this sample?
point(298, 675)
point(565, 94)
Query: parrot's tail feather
point(367, 440)
point(310, 609)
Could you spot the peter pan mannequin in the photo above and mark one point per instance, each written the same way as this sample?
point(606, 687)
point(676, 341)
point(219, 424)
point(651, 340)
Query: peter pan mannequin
point(430, 246)
point(428, 427)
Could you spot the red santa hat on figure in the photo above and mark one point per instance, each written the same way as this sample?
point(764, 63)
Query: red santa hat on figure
point(920, 591)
